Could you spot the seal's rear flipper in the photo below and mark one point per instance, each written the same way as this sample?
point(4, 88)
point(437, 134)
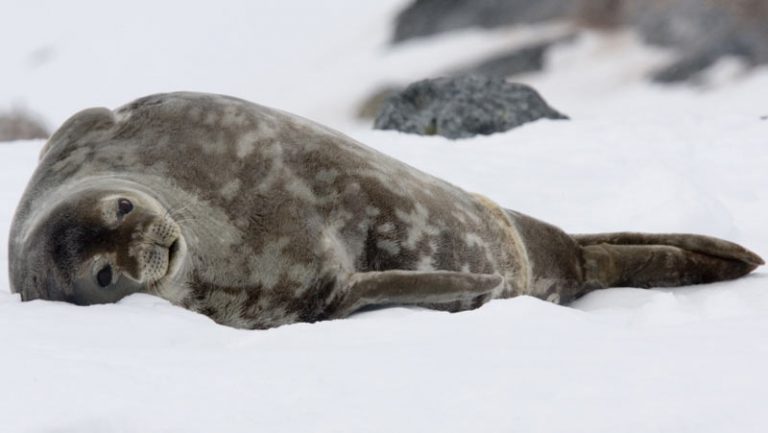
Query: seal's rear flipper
point(661, 260)
point(415, 287)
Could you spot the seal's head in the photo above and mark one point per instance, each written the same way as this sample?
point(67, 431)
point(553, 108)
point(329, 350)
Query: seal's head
point(97, 246)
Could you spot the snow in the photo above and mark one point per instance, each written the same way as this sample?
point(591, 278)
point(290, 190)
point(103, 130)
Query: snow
point(634, 157)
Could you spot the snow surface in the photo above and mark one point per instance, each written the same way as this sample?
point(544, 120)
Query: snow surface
point(634, 157)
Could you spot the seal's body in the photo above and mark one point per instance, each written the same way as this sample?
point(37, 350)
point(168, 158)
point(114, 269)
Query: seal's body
point(258, 218)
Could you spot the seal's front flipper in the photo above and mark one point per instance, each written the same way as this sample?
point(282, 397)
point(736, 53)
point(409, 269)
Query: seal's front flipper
point(415, 287)
point(661, 260)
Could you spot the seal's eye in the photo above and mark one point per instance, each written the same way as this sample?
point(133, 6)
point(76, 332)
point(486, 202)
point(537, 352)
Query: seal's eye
point(124, 207)
point(104, 276)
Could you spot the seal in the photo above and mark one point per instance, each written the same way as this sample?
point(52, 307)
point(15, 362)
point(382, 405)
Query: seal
point(258, 218)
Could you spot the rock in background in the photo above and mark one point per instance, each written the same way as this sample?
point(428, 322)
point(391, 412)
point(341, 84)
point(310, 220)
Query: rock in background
point(521, 60)
point(430, 17)
point(702, 31)
point(600, 14)
point(462, 107)
point(21, 125)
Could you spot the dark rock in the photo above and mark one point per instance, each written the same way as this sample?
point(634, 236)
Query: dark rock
point(684, 69)
point(20, 125)
point(600, 14)
point(520, 60)
point(463, 107)
point(702, 31)
point(429, 17)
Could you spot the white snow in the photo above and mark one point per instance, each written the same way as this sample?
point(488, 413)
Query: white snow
point(633, 157)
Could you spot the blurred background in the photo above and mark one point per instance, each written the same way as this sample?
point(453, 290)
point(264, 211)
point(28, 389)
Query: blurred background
point(336, 61)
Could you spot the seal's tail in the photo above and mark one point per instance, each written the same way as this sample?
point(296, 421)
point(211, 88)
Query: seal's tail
point(661, 260)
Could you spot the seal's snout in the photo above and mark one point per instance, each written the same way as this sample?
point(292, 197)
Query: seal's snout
point(97, 246)
point(176, 251)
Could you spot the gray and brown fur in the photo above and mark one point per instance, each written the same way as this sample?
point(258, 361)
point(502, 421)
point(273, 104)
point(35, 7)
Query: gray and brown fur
point(282, 220)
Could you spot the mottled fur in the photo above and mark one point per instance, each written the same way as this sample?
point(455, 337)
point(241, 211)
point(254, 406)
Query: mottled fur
point(283, 220)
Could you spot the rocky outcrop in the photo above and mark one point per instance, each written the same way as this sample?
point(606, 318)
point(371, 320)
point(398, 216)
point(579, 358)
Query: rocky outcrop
point(517, 61)
point(600, 14)
point(520, 60)
point(20, 125)
point(429, 17)
point(702, 31)
point(462, 107)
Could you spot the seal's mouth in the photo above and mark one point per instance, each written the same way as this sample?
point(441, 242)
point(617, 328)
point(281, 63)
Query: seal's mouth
point(173, 251)
point(173, 248)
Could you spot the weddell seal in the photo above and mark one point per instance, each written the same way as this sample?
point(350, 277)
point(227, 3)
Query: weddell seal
point(258, 218)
